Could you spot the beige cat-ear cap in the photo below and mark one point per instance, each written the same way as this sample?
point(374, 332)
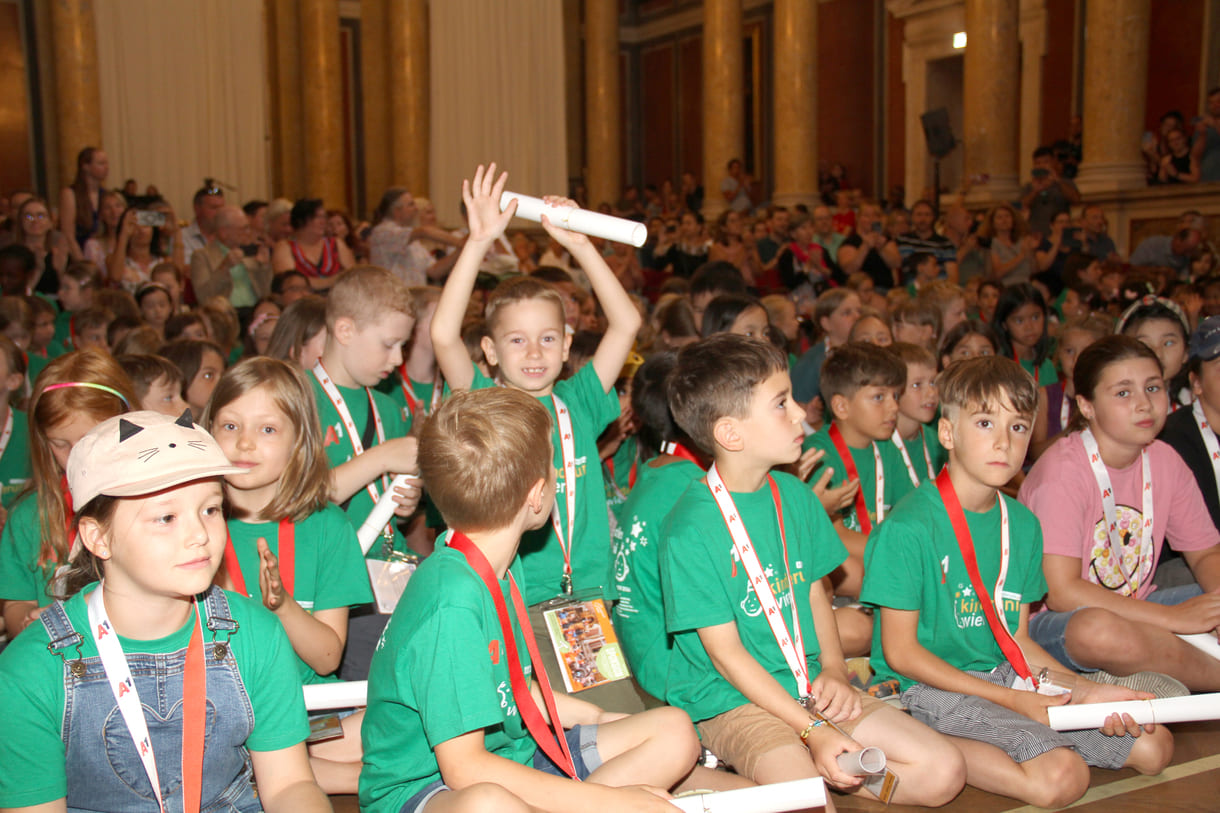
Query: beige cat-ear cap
point(140, 453)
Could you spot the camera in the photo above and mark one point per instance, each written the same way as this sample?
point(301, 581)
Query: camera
point(147, 218)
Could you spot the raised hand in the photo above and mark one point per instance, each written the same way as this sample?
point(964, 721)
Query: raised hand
point(567, 239)
point(482, 199)
point(269, 580)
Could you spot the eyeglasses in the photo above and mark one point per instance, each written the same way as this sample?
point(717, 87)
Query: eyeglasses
point(35, 215)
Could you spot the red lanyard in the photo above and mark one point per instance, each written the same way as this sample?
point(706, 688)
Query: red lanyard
point(849, 465)
point(286, 547)
point(1037, 369)
point(553, 743)
point(69, 515)
point(632, 473)
point(408, 393)
point(678, 450)
point(957, 518)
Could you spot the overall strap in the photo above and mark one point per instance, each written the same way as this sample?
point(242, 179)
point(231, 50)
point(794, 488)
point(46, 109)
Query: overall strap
point(219, 616)
point(59, 629)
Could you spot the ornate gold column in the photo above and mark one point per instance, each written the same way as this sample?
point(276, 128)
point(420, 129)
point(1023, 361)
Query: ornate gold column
point(991, 97)
point(724, 135)
point(374, 61)
point(322, 116)
point(409, 94)
point(796, 98)
point(603, 117)
point(289, 145)
point(1115, 91)
point(78, 107)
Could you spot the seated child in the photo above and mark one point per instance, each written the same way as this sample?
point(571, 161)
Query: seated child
point(917, 321)
point(736, 313)
point(781, 312)
point(88, 328)
point(152, 644)
point(453, 722)
point(930, 568)
point(1160, 324)
point(1109, 495)
point(526, 342)
point(14, 428)
point(201, 364)
point(418, 384)
point(970, 339)
point(1190, 431)
point(76, 289)
point(300, 332)
point(158, 383)
point(1075, 335)
point(288, 544)
point(873, 327)
point(861, 384)
point(834, 313)
point(43, 346)
point(948, 300)
point(710, 280)
point(369, 317)
point(741, 545)
point(915, 436)
point(75, 392)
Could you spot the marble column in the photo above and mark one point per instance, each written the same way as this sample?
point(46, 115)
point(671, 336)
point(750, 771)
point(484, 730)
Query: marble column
point(603, 110)
point(322, 116)
point(1115, 92)
point(724, 134)
point(374, 80)
point(78, 107)
point(796, 98)
point(409, 95)
point(991, 97)
point(288, 152)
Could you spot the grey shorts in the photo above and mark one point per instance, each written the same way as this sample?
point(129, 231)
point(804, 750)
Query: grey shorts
point(1049, 629)
point(582, 742)
point(970, 717)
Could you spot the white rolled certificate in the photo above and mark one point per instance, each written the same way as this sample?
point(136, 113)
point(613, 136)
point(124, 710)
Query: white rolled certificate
point(866, 761)
point(777, 798)
point(1204, 641)
point(380, 516)
point(594, 224)
point(1165, 710)
point(343, 695)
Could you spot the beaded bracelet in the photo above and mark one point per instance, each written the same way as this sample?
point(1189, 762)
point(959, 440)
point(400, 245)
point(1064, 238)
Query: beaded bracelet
point(809, 729)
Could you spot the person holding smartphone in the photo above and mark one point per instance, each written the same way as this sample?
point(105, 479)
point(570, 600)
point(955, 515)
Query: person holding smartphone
point(870, 250)
point(139, 247)
point(1047, 194)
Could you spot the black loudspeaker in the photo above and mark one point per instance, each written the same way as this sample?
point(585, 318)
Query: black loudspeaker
point(937, 132)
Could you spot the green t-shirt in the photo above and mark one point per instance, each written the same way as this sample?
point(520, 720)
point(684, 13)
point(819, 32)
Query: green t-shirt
point(926, 443)
point(913, 562)
point(422, 390)
point(704, 585)
point(1045, 375)
point(32, 695)
point(591, 409)
point(328, 572)
point(21, 579)
point(897, 480)
point(339, 449)
point(619, 471)
point(15, 462)
point(440, 670)
point(63, 329)
point(639, 615)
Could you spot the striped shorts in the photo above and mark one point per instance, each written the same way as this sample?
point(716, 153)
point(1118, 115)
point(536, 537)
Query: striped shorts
point(970, 717)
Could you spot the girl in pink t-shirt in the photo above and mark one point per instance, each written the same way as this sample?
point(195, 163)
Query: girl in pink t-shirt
point(1109, 495)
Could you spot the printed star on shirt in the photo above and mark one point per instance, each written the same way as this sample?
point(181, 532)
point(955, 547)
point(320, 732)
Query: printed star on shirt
point(967, 592)
point(637, 528)
point(770, 571)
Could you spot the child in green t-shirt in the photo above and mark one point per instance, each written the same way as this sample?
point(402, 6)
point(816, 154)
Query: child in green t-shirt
point(861, 384)
point(288, 545)
point(456, 690)
point(968, 671)
point(915, 434)
point(757, 660)
point(77, 286)
point(14, 431)
point(369, 317)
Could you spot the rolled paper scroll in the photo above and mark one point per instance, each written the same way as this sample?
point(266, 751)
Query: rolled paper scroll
point(1205, 641)
point(594, 224)
point(380, 516)
point(348, 694)
point(867, 761)
point(1165, 710)
point(777, 798)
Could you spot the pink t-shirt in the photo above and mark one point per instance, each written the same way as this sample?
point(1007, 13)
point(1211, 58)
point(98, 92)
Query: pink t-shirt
point(1062, 491)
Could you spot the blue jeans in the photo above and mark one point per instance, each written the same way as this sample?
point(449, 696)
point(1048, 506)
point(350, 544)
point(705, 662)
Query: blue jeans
point(105, 772)
point(1049, 629)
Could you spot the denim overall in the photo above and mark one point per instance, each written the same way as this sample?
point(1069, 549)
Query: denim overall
point(103, 769)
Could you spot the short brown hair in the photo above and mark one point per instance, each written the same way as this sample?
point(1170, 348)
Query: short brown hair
point(304, 486)
point(853, 366)
point(829, 301)
point(519, 289)
point(481, 452)
point(299, 323)
point(986, 382)
point(913, 354)
point(715, 378)
point(366, 293)
point(146, 370)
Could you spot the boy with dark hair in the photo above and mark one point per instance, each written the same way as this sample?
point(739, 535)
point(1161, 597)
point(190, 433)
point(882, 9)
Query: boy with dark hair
point(757, 660)
point(158, 382)
point(711, 280)
point(861, 384)
point(951, 554)
point(915, 436)
point(453, 722)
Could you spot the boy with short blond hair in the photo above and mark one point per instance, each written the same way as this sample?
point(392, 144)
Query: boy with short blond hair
point(453, 722)
point(966, 670)
point(917, 321)
point(369, 317)
point(914, 436)
point(757, 660)
point(861, 384)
